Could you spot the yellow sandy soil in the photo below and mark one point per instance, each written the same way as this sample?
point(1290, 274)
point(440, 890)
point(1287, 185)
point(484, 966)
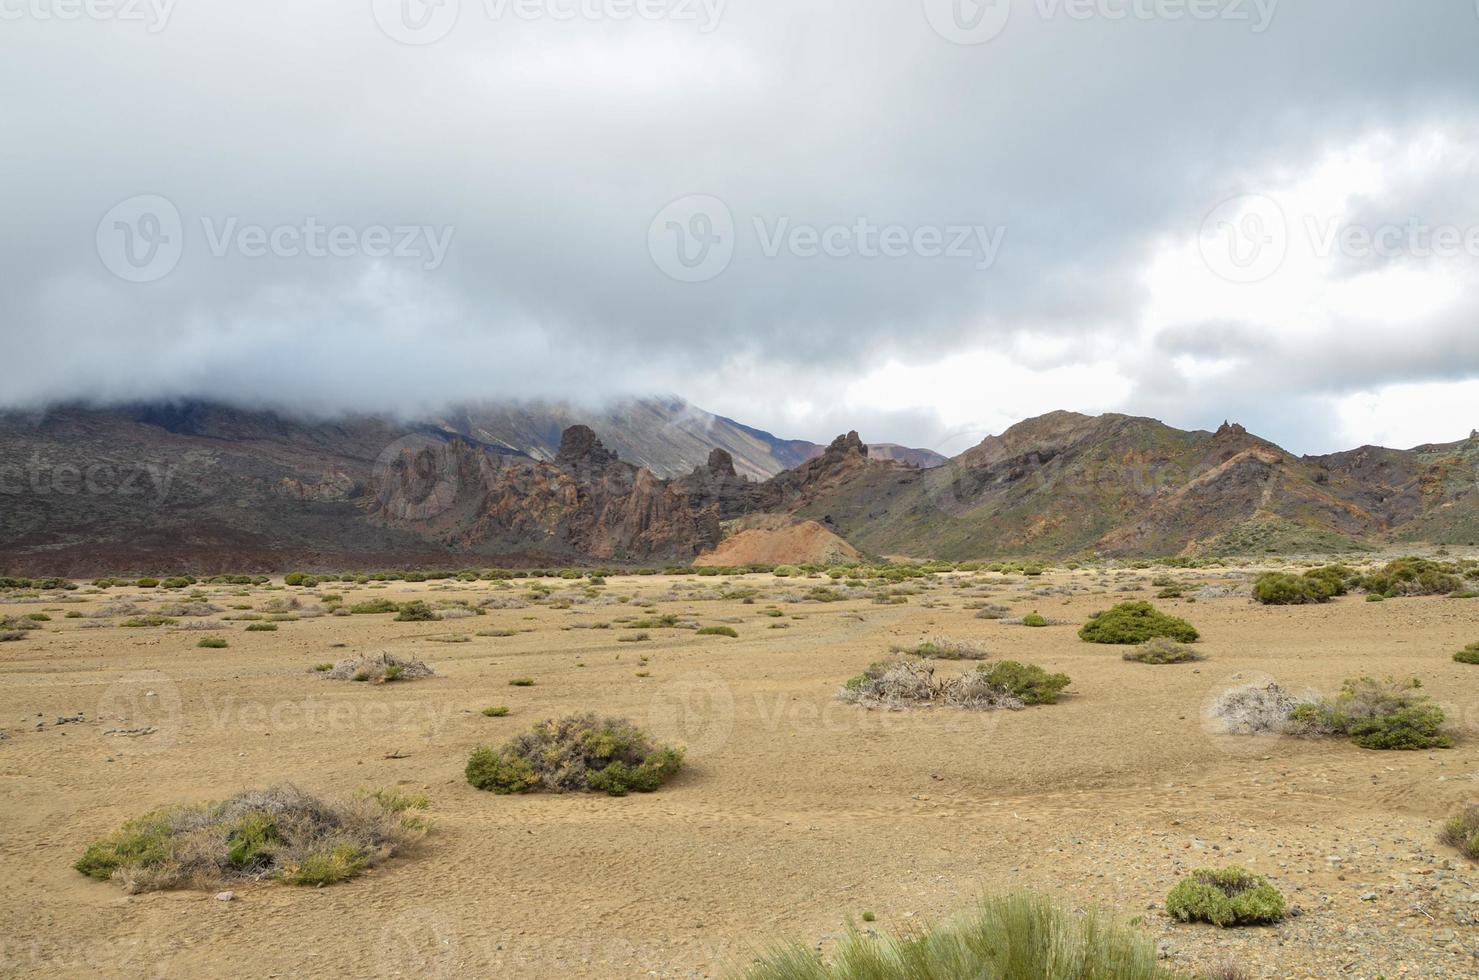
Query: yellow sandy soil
point(794, 814)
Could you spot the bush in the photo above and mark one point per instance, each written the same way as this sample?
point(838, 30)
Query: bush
point(374, 607)
point(728, 631)
point(500, 711)
point(1012, 937)
point(415, 611)
point(1462, 832)
point(1469, 654)
point(1413, 576)
point(940, 648)
point(1254, 709)
point(1136, 622)
point(145, 622)
point(1377, 714)
point(376, 669)
point(521, 682)
point(212, 643)
point(580, 752)
point(1225, 897)
point(279, 833)
point(261, 628)
point(1162, 651)
point(1028, 683)
point(1034, 619)
point(1283, 589)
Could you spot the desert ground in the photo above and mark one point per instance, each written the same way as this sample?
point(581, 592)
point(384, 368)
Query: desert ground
point(794, 813)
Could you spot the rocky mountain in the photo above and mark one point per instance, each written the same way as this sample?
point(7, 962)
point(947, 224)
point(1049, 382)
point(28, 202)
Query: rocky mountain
point(667, 436)
point(210, 488)
point(1065, 483)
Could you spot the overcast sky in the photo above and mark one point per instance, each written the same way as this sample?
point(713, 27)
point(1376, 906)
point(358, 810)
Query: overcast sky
point(924, 220)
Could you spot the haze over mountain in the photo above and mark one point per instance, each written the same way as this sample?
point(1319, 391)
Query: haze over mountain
point(208, 488)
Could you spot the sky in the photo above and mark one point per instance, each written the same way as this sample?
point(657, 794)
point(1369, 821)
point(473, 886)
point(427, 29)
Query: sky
point(921, 219)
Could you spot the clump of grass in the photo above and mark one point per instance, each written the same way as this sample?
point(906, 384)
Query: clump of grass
point(521, 682)
point(280, 834)
point(1011, 937)
point(634, 637)
point(1225, 897)
point(579, 752)
point(212, 643)
point(262, 628)
point(498, 711)
point(728, 631)
point(1462, 832)
point(1034, 619)
point(1162, 651)
point(415, 611)
point(1469, 654)
point(381, 668)
point(1377, 714)
point(145, 622)
point(992, 611)
point(941, 648)
point(1136, 622)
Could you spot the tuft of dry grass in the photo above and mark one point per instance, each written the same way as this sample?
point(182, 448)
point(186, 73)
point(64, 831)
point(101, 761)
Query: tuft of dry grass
point(381, 668)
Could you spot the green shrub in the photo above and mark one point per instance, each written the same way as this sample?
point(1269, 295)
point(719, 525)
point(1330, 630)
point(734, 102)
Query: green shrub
point(1225, 897)
point(1413, 576)
point(521, 682)
point(501, 711)
point(1462, 832)
point(1377, 714)
point(147, 583)
point(1469, 654)
point(294, 578)
point(1028, 683)
point(1162, 651)
point(580, 752)
point(261, 628)
point(212, 643)
point(1136, 622)
point(1283, 589)
point(1034, 619)
point(1011, 937)
point(374, 607)
point(941, 648)
point(728, 631)
point(144, 622)
point(415, 611)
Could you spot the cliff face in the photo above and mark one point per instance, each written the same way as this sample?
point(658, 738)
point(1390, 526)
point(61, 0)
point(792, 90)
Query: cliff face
point(584, 503)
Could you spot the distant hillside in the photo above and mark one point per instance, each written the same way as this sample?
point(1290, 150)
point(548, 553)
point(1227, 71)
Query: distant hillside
point(1067, 483)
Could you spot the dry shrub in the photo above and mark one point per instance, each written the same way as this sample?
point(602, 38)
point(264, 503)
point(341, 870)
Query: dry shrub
point(280, 833)
point(1161, 650)
point(1462, 832)
point(378, 668)
point(909, 683)
point(179, 609)
point(941, 648)
point(893, 684)
point(111, 610)
point(1254, 709)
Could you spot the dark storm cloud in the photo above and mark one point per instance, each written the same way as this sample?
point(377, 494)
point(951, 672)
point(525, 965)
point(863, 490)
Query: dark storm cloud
point(539, 152)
